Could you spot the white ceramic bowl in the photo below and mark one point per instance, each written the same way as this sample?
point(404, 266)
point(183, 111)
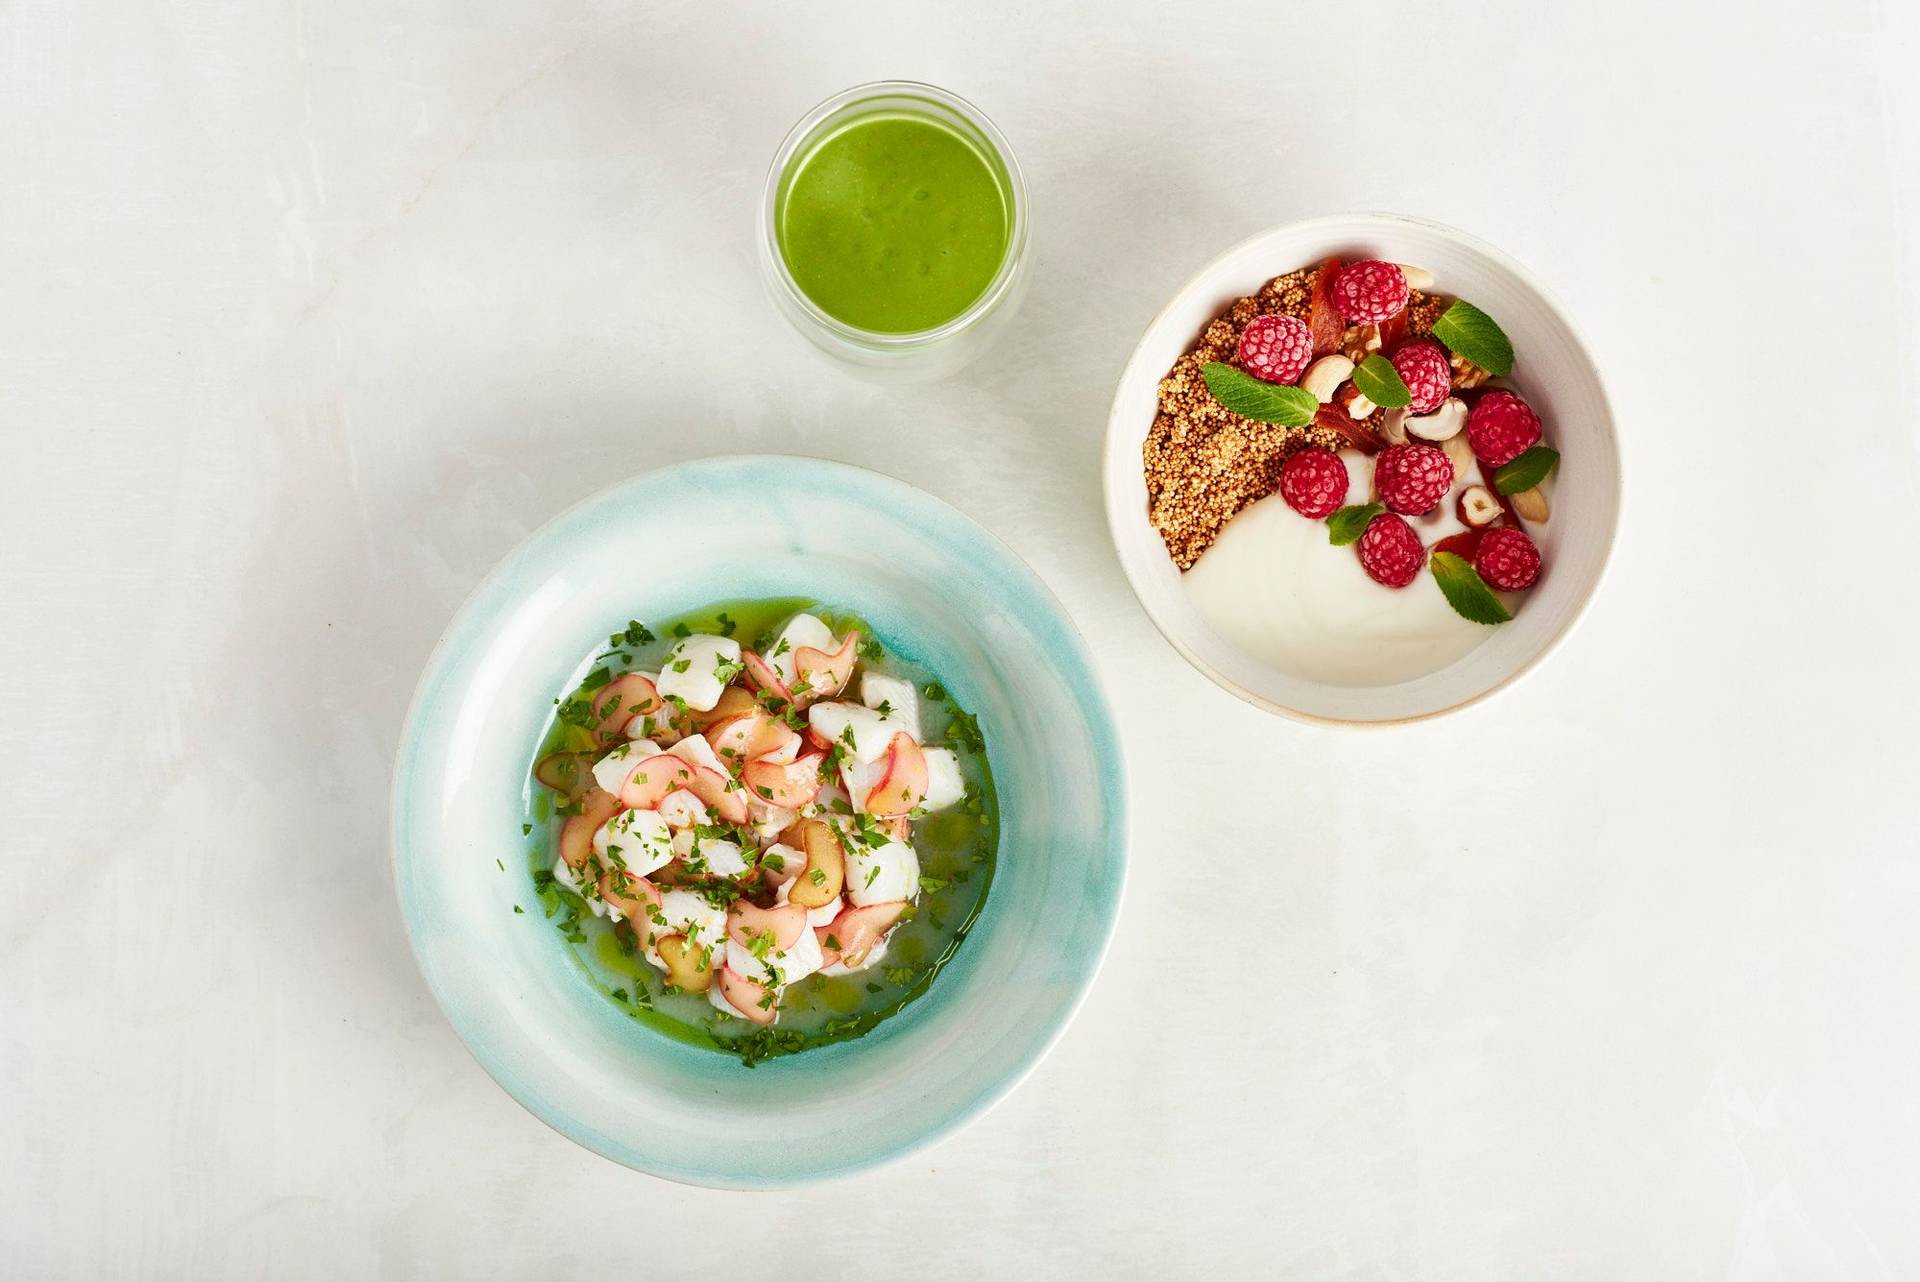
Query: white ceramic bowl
point(1551, 366)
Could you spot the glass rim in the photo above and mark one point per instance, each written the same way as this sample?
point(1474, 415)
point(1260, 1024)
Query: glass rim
point(804, 130)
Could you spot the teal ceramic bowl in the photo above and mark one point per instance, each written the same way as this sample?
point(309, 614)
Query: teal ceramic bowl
point(936, 588)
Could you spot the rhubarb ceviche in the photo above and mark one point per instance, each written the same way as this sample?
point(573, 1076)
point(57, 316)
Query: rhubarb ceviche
point(758, 829)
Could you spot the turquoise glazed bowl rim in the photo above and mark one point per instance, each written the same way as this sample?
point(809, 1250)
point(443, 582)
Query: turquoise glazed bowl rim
point(493, 1012)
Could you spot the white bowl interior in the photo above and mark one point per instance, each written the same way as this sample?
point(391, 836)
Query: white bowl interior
point(1552, 369)
point(934, 587)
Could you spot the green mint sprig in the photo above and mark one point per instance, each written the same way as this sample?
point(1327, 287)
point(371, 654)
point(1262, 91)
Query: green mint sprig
point(1350, 522)
point(1251, 398)
point(1467, 331)
point(1380, 383)
point(1527, 471)
point(1466, 591)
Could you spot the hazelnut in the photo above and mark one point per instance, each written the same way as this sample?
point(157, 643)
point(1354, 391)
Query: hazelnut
point(1478, 507)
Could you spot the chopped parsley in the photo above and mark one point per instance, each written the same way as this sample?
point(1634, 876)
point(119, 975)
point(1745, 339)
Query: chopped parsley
point(636, 635)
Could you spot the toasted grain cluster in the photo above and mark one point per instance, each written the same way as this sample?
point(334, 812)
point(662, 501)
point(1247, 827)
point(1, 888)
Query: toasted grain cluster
point(1203, 462)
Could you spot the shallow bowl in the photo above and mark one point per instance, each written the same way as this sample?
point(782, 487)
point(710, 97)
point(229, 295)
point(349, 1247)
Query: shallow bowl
point(1552, 368)
point(937, 589)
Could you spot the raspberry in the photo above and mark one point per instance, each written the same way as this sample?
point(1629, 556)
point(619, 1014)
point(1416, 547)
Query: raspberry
point(1390, 551)
point(1369, 292)
point(1276, 348)
point(1501, 427)
point(1507, 559)
point(1423, 367)
point(1314, 483)
point(1412, 479)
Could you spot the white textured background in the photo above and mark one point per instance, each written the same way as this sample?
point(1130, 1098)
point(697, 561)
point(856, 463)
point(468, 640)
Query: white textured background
point(309, 312)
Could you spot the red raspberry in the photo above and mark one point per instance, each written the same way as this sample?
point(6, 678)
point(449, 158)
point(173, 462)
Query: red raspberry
point(1369, 292)
point(1507, 559)
point(1314, 483)
point(1423, 367)
point(1501, 427)
point(1390, 551)
point(1276, 348)
point(1412, 479)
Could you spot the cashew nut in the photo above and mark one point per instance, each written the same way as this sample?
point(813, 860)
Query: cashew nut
point(1443, 424)
point(1393, 426)
point(1324, 377)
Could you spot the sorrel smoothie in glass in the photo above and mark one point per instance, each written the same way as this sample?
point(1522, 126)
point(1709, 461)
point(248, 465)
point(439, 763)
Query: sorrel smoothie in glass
point(895, 227)
point(894, 223)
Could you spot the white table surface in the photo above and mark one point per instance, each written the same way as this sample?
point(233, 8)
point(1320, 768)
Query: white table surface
point(309, 312)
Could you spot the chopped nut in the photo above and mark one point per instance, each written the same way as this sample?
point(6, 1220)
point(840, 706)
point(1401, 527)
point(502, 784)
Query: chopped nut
point(1359, 341)
point(1324, 376)
point(1354, 402)
point(1417, 277)
point(1393, 426)
point(1459, 452)
point(1443, 424)
point(1531, 505)
point(1466, 375)
point(1478, 506)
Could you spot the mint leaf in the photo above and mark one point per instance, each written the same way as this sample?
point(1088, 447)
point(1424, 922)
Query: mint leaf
point(1380, 383)
point(1250, 398)
point(1350, 522)
point(1466, 591)
point(1471, 333)
point(1526, 471)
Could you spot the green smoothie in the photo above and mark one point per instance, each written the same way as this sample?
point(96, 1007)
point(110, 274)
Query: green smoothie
point(894, 223)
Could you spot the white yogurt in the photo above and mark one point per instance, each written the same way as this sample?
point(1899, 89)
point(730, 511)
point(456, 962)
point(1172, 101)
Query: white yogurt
point(1276, 588)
